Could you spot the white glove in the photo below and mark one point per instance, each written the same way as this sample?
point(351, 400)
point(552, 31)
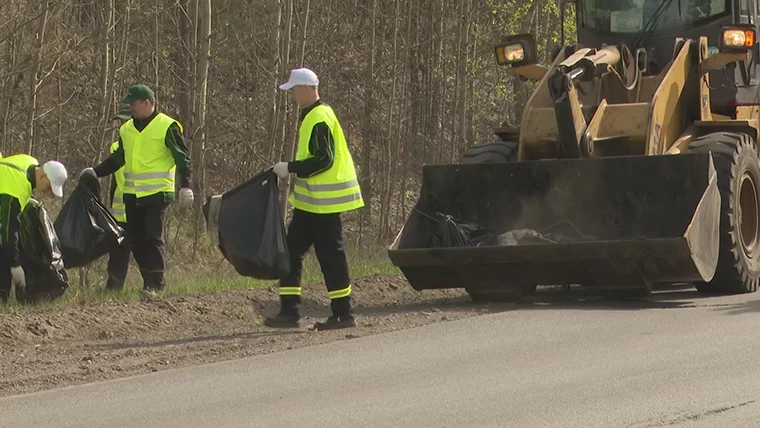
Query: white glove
point(281, 169)
point(186, 196)
point(18, 276)
point(88, 171)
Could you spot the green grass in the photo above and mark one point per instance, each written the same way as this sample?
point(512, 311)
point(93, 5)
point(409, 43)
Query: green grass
point(212, 274)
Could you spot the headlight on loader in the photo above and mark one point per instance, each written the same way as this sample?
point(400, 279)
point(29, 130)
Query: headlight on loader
point(516, 51)
point(510, 53)
point(737, 39)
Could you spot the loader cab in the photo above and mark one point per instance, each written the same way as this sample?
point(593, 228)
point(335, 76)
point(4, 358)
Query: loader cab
point(654, 25)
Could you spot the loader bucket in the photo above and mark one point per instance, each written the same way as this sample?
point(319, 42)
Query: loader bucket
point(615, 222)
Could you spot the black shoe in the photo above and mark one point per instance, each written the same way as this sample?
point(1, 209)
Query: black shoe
point(336, 322)
point(282, 320)
point(115, 288)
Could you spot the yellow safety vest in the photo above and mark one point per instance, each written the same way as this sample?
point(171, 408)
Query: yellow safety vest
point(335, 190)
point(13, 179)
point(118, 209)
point(148, 164)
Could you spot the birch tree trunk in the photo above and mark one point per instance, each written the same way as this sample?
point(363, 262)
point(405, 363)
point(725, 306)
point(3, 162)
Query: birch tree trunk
point(276, 69)
point(282, 114)
point(368, 137)
point(34, 79)
point(105, 73)
point(201, 89)
point(183, 60)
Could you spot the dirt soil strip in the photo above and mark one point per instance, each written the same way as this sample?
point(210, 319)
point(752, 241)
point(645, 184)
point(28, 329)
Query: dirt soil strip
point(83, 344)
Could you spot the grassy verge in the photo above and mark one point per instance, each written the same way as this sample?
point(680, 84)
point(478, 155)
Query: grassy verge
point(212, 275)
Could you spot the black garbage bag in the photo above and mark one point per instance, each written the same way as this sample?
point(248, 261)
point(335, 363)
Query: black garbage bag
point(453, 233)
point(246, 223)
point(40, 253)
point(84, 226)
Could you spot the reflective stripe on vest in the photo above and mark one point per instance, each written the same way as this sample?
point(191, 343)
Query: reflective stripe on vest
point(148, 164)
point(13, 179)
point(118, 209)
point(336, 189)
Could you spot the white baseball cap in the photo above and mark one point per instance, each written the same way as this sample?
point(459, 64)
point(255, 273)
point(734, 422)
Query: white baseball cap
point(56, 173)
point(301, 76)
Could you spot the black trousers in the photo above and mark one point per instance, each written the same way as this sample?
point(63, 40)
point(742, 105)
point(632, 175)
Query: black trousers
point(118, 261)
point(145, 226)
point(5, 279)
point(325, 233)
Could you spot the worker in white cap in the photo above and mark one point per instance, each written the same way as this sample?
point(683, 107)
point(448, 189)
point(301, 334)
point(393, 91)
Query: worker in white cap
point(325, 186)
point(19, 176)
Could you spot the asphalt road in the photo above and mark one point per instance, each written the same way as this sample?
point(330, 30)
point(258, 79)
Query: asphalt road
point(680, 360)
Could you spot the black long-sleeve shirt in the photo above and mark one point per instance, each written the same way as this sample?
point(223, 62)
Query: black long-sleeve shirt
point(174, 141)
point(10, 209)
point(321, 149)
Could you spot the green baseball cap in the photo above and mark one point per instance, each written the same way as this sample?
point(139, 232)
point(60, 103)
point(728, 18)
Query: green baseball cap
point(138, 93)
point(124, 113)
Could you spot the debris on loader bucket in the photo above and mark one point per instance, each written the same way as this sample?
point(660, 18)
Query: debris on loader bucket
point(618, 222)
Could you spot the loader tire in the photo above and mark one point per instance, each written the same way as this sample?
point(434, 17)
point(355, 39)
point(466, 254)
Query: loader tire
point(496, 152)
point(738, 168)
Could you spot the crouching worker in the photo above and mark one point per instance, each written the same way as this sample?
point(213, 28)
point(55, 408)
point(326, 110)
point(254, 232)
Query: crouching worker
point(19, 176)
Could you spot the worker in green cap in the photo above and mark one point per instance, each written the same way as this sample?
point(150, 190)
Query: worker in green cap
point(152, 151)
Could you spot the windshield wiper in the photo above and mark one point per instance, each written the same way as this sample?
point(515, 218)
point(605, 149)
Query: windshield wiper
point(650, 25)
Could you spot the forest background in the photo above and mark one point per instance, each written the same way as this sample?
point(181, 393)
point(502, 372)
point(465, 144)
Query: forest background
point(413, 82)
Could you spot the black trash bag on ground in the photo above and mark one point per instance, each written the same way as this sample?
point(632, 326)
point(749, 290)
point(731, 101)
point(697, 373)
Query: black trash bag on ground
point(451, 234)
point(40, 253)
point(246, 223)
point(85, 228)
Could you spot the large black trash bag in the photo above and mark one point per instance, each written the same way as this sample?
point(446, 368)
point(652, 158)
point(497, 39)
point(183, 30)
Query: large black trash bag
point(40, 254)
point(451, 233)
point(250, 229)
point(85, 228)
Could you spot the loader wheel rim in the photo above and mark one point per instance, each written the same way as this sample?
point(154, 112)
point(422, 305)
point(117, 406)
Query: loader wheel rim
point(749, 227)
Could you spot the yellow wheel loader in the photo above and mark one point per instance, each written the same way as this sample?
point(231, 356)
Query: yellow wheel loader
point(635, 163)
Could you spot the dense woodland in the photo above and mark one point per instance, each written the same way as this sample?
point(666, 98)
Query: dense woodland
point(413, 82)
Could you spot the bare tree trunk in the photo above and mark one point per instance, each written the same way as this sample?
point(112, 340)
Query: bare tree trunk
point(455, 125)
point(34, 82)
point(194, 64)
point(405, 131)
point(471, 109)
point(156, 44)
point(184, 60)
point(367, 139)
point(464, 75)
point(282, 116)
point(123, 49)
point(59, 139)
point(392, 144)
point(276, 70)
point(199, 135)
point(291, 149)
point(201, 90)
point(10, 86)
point(434, 124)
point(105, 72)
point(415, 148)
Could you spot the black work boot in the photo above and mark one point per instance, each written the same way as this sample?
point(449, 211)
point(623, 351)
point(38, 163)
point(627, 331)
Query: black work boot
point(289, 314)
point(336, 322)
point(341, 317)
point(282, 320)
point(114, 285)
point(153, 283)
